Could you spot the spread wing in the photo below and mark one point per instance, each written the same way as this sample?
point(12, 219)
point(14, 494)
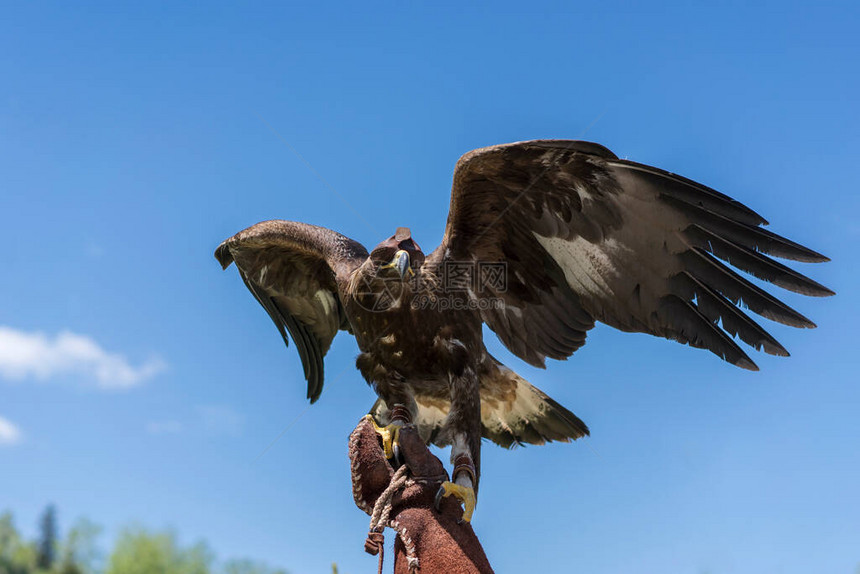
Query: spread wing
point(584, 236)
point(293, 270)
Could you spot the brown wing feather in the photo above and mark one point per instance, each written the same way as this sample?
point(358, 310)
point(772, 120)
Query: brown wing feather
point(293, 270)
point(588, 237)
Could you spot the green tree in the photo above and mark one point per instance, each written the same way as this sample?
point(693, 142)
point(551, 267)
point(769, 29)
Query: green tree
point(140, 552)
point(246, 566)
point(9, 537)
point(47, 546)
point(16, 556)
point(80, 553)
point(136, 551)
point(10, 540)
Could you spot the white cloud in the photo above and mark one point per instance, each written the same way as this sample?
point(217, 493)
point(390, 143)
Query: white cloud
point(94, 250)
point(34, 355)
point(211, 420)
point(163, 427)
point(9, 433)
point(220, 419)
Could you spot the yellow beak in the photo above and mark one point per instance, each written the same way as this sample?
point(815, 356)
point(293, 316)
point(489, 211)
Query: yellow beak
point(401, 263)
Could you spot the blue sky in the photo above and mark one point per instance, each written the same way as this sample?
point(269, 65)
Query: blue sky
point(139, 382)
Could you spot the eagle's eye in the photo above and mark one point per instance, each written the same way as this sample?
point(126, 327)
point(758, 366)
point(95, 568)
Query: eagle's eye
point(383, 254)
point(417, 258)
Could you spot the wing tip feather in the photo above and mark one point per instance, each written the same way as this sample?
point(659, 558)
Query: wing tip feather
point(779, 352)
point(814, 256)
point(820, 290)
point(223, 255)
point(746, 363)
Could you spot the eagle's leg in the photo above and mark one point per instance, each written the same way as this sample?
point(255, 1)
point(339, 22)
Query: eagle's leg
point(402, 409)
point(463, 428)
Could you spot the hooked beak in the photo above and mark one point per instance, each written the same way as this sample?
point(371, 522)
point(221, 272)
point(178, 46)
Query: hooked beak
point(400, 263)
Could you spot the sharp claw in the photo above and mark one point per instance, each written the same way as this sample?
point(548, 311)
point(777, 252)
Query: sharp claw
point(390, 435)
point(464, 494)
point(440, 494)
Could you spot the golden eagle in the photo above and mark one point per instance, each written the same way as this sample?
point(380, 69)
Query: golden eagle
point(543, 239)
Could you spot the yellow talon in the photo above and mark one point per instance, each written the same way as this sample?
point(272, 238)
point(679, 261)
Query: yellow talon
point(390, 435)
point(464, 494)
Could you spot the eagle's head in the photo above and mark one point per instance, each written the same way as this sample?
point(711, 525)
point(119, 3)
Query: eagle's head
point(397, 255)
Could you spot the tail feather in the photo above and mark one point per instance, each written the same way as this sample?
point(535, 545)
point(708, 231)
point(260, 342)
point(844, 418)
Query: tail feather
point(513, 412)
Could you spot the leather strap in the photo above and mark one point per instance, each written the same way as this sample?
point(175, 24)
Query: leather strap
point(463, 463)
